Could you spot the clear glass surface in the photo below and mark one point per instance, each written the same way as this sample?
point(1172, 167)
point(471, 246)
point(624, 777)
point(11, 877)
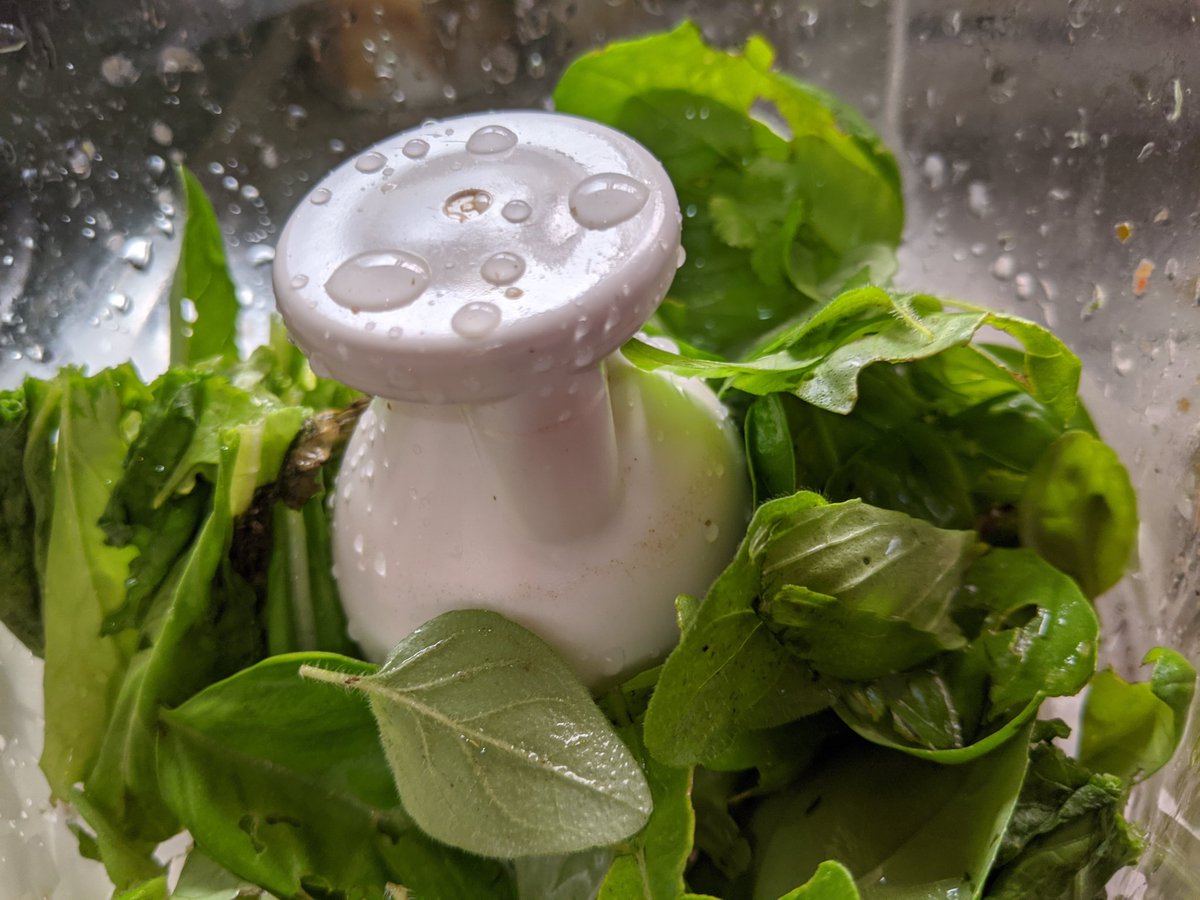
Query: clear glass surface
point(1050, 152)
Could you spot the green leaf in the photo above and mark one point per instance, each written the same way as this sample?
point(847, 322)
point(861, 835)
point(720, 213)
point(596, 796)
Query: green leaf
point(1034, 635)
point(1040, 633)
point(155, 889)
point(202, 277)
point(904, 827)
point(1132, 730)
point(769, 451)
point(1079, 511)
point(20, 593)
point(1067, 836)
point(729, 673)
point(203, 879)
point(650, 865)
point(831, 881)
point(802, 212)
point(303, 609)
point(84, 577)
point(495, 745)
point(286, 786)
point(845, 566)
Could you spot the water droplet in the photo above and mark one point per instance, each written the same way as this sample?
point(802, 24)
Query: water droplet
point(299, 281)
point(137, 252)
point(516, 211)
point(465, 204)
point(12, 38)
point(1024, 284)
point(514, 293)
point(476, 320)
point(1004, 268)
point(359, 544)
point(118, 71)
point(260, 254)
point(415, 149)
point(608, 199)
point(80, 154)
point(380, 564)
point(161, 133)
point(1146, 152)
point(680, 258)
point(491, 139)
point(370, 162)
point(979, 201)
point(119, 302)
point(712, 531)
point(320, 196)
point(934, 170)
point(378, 280)
point(502, 268)
point(395, 331)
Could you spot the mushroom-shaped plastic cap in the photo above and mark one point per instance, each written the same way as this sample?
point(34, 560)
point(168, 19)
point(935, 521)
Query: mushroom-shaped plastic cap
point(466, 260)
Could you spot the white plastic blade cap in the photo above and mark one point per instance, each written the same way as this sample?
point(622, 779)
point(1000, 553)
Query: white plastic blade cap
point(468, 261)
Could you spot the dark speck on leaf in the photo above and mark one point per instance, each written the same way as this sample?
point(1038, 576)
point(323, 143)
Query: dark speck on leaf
point(812, 807)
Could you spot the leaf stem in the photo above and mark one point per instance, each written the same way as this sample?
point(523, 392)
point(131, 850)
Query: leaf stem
point(316, 673)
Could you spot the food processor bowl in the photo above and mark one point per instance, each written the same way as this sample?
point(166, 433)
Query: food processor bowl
point(1049, 154)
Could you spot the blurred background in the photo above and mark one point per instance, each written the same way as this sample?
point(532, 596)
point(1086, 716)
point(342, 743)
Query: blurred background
point(1052, 161)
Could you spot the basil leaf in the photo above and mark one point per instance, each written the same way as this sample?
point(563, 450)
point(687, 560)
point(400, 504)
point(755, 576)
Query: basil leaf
point(650, 865)
point(84, 577)
point(831, 881)
point(1040, 633)
point(774, 222)
point(202, 277)
point(1034, 636)
point(904, 827)
point(853, 566)
point(1067, 836)
point(1132, 730)
point(770, 454)
point(495, 745)
point(287, 787)
point(729, 673)
point(1079, 511)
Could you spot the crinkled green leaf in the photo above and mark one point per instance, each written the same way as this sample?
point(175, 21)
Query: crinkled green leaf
point(1079, 511)
point(285, 784)
point(1131, 730)
point(20, 593)
point(1067, 836)
point(495, 745)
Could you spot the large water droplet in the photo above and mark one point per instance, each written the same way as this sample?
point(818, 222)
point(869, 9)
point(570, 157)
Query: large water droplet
point(502, 268)
point(137, 252)
point(320, 196)
point(476, 320)
point(370, 162)
point(608, 199)
point(416, 148)
point(12, 38)
point(516, 211)
point(491, 139)
point(260, 254)
point(378, 280)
